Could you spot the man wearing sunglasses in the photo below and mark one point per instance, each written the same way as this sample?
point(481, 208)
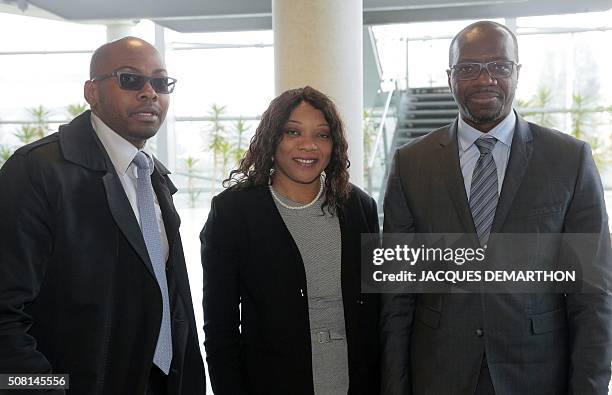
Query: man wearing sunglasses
point(93, 281)
point(491, 173)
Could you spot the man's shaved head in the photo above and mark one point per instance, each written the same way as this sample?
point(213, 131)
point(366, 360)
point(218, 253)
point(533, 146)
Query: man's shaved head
point(110, 51)
point(487, 27)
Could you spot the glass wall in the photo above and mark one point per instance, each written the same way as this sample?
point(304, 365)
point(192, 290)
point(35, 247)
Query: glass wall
point(216, 105)
point(226, 80)
point(564, 81)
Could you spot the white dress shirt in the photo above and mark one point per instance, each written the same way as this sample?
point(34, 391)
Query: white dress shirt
point(469, 152)
point(122, 153)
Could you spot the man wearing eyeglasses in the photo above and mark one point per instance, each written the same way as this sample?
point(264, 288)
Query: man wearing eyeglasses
point(93, 281)
point(491, 172)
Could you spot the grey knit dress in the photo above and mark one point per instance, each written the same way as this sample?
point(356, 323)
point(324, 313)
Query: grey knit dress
point(318, 239)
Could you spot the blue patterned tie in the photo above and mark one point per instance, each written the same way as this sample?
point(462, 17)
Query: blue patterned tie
point(150, 231)
point(483, 192)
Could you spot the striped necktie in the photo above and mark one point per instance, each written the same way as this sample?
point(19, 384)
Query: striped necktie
point(150, 231)
point(483, 192)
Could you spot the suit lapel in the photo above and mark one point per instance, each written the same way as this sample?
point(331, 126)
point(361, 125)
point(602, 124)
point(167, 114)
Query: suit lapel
point(80, 145)
point(270, 218)
point(123, 214)
point(164, 190)
point(520, 152)
point(178, 279)
point(346, 223)
point(450, 168)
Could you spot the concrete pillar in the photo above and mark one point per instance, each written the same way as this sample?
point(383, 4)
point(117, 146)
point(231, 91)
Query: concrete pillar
point(510, 24)
point(115, 31)
point(320, 43)
point(165, 134)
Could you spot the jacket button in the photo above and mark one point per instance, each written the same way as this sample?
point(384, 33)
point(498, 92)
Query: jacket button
point(360, 302)
point(479, 332)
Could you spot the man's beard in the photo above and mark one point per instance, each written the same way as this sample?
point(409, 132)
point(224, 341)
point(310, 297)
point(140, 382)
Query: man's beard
point(485, 117)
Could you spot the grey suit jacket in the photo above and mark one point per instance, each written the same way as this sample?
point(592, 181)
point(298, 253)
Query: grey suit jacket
point(548, 343)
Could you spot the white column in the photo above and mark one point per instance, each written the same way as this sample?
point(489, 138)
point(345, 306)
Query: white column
point(165, 134)
point(511, 24)
point(115, 31)
point(570, 74)
point(320, 43)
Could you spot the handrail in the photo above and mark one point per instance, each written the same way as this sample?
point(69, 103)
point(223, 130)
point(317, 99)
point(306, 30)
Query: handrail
point(374, 47)
point(208, 118)
point(381, 126)
point(194, 176)
point(205, 118)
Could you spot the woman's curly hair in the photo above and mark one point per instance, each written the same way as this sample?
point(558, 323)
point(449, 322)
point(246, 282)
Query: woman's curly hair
point(254, 169)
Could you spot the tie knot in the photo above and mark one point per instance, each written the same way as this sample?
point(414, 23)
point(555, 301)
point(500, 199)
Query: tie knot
point(141, 160)
point(485, 144)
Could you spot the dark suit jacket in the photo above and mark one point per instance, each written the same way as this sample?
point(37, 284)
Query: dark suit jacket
point(551, 343)
point(77, 289)
point(251, 260)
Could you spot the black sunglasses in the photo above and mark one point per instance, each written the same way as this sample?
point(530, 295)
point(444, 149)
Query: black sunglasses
point(135, 82)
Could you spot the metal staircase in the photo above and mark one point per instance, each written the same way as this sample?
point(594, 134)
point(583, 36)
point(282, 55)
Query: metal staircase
point(416, 112)
point(422, 110)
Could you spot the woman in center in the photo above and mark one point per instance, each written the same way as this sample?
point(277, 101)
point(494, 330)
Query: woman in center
point(283, 308)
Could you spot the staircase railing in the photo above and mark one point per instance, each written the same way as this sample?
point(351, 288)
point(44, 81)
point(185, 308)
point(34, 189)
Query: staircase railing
point(378, 158)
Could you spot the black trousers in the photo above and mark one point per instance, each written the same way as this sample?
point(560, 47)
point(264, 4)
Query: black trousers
point(158, 382)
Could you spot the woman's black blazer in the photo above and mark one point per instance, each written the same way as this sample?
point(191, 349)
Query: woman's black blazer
point(250, 260)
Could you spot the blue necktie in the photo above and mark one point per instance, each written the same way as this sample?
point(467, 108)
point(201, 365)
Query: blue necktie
point(150, 231)
point(483, 191)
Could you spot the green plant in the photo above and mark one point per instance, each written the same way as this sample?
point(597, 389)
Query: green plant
point(522, 103)
point(238, 152)
point(543, 98)
point(26, 134)
point(581, 117)
point(40, 117)
point(76, 109)
point(190, 167)
point(225, 151)
point(218, 139)
point(583, 121)
point(5, 153)
point(369, 137)
point(540, 100)
point(602, 155)
point(37, 129)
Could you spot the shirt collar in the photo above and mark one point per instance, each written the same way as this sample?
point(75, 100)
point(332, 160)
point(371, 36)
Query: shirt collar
point(120, 151)
point(503, 132)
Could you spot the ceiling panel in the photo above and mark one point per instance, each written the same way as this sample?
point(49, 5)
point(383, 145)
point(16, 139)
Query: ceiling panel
point(241, 15)
point(81, 10)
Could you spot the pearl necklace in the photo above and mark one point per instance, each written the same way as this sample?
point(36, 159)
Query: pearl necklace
point(285, 205)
